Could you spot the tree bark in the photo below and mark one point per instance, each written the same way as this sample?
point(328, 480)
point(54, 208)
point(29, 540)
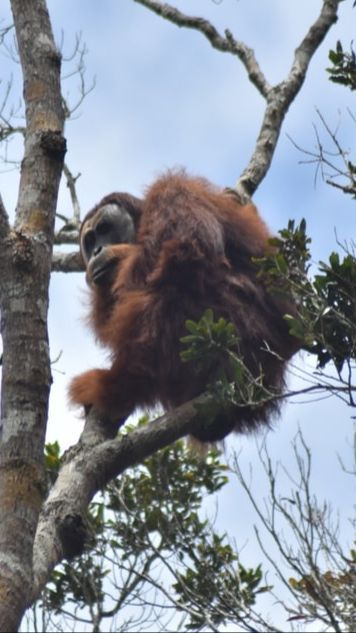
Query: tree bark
point(98, 457)
point(25, 264)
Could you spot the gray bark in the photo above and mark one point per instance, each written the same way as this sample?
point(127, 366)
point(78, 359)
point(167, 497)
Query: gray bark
point(25, 264)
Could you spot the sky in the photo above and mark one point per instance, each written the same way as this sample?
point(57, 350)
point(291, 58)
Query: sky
point(163, 98)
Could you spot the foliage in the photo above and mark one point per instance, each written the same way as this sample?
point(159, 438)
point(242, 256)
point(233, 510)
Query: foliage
point(208, 338)
point(212, 341)
point(149, 524)
point(324, 322)
point(326, 304)
point(343, 69)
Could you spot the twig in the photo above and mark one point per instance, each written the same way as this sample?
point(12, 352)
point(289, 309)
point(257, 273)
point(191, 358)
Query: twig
point(225, 44)
point(71, 183)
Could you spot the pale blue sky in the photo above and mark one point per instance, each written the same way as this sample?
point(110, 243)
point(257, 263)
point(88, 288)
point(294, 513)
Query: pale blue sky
point(164, 97)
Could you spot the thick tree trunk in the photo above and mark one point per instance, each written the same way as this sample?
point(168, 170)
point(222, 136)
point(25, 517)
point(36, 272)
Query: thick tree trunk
point(25, 263)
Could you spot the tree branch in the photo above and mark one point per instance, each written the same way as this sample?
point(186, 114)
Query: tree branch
point(90, 465)
point(100, 456)
point(67, 235)
point(225, 44)
point(71, 182)
point(278, 98)
point(67, 262)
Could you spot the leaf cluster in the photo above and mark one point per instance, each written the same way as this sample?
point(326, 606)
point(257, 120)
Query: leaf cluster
point(208, 339)
point(325, 321)
point(343, 69)
point(215, 343)
point(221, 582)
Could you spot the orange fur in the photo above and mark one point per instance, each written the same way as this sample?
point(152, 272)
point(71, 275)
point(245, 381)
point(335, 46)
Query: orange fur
point(193, 250)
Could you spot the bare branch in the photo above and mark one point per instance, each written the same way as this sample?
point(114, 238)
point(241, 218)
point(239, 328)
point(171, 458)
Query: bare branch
point(71, 183)
point(331, 163)
point(225, 44)
point(247, 57)
point(7, 115)
point(278, 98)
point(349, 189)
point(78, 55)
point(67, 263)
point(321, 591)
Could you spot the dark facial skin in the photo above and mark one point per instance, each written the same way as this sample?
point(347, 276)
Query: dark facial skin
point(111, 224)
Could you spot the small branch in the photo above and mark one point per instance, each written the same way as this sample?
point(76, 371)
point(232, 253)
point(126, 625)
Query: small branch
point(67, 263)
point(78, 56)
point(67, 235)
point(7, 115)
point(225, 44)
point(4, 32)
point(71, 183)
point(247, 56)
point(331, 163)
point(349, 189)
point(315, 544)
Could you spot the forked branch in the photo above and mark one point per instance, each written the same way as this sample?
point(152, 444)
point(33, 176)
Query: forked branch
point(278, 98)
